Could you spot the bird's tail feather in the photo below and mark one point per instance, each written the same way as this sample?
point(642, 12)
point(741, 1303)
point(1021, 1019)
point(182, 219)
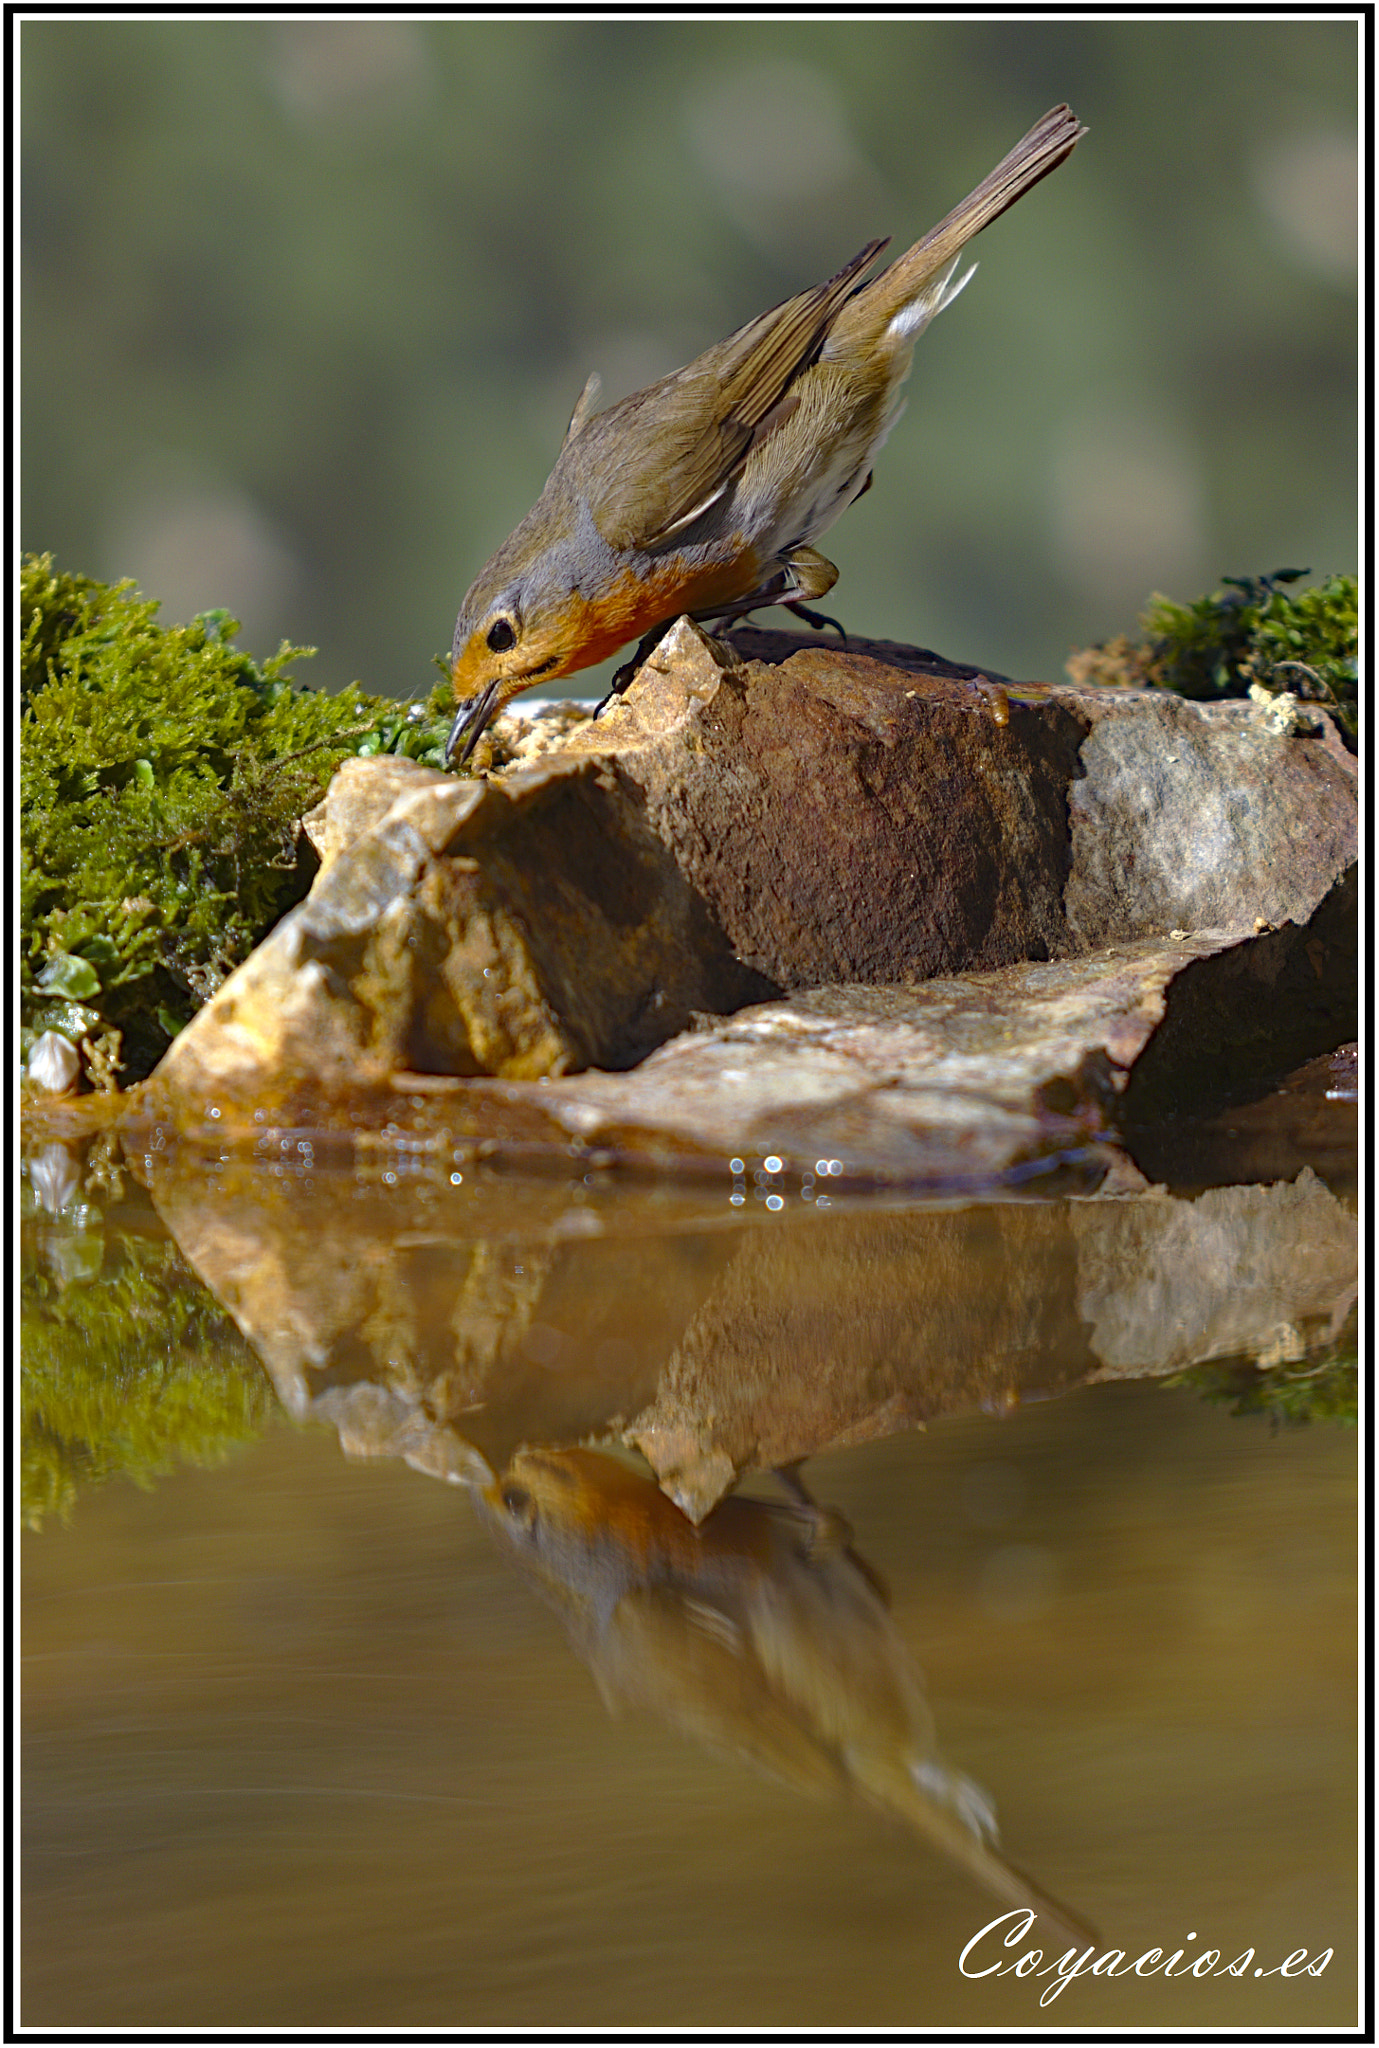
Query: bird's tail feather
point(902, 286)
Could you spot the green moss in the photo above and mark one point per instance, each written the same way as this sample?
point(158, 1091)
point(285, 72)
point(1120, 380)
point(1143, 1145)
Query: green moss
point(1252, 631)
point(163, 777)
point(127, 1363)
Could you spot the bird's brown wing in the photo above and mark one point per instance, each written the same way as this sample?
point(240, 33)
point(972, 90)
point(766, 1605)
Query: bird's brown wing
point(689, 1662)
point(652, 464)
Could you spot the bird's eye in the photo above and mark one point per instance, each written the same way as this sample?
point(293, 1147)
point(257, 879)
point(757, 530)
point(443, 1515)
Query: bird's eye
point(519, 1504)
point(501, 636)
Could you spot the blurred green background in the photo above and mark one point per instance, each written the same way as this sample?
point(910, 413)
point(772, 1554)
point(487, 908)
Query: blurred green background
point(306, 303)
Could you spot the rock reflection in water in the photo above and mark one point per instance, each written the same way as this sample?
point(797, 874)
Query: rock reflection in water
point(716, 1344)
point(761, 1633)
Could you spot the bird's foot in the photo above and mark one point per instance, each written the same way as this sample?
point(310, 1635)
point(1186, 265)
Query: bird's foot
point(818, 620)
point(824, 1532)
point(646, 647)
point(622, 676)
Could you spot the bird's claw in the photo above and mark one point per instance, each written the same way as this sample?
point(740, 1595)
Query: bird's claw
point(818, 620)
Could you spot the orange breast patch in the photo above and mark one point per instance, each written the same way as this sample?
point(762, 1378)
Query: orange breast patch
point(632, 604)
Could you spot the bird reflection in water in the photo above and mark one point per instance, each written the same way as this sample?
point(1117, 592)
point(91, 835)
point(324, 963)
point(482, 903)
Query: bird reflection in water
point(760, 1633)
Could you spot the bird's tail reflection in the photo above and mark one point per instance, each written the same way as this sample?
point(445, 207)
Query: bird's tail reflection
point(760, 1632)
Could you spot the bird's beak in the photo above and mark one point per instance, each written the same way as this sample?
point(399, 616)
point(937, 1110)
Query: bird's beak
point(470, 720)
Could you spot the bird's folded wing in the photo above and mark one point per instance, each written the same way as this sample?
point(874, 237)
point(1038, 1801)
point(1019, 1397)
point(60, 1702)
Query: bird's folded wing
point(654, 463)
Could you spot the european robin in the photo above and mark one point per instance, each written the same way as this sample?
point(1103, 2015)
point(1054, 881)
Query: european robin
point(703, 493)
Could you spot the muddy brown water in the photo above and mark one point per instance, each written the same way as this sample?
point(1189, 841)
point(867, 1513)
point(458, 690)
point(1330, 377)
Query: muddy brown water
point(301, 1748)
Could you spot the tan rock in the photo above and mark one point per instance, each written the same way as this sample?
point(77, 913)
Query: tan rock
point(733, 828)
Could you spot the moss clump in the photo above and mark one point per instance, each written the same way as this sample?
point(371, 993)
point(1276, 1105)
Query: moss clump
point(163, 776)
point(127, 1364)
point(1252, 632)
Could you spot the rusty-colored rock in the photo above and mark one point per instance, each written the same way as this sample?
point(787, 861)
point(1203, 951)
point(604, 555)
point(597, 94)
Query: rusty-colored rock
point(849, 821)
point(733, 828)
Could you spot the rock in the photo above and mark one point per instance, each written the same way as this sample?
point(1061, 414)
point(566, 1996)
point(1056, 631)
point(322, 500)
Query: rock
point(54, 1064)
point(950, 1085)
point(990, 817)
point(849, 821)
point(361, 795)
point(737, 828)
point(466, 928)
point(955, 1083)
point(1253, 1010)
point(1312, 1117)
point(1197, 816)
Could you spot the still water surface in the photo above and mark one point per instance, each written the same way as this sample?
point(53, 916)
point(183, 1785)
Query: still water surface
point(301, 1748)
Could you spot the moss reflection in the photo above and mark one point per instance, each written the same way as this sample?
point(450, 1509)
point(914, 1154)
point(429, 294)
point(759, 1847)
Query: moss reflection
point(127, 1363)
point(1315, 1387)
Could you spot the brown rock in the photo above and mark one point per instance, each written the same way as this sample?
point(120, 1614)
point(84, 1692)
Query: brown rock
point(883, 815)
point(464, 928)
point(849, 821)
point(734, 828)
